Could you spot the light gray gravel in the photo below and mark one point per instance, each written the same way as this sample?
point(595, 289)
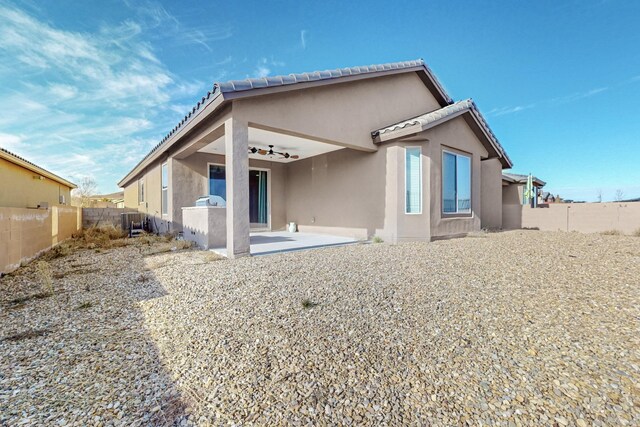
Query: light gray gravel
point(516, 328)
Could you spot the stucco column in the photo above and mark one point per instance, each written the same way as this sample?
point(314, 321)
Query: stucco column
point(236, 144)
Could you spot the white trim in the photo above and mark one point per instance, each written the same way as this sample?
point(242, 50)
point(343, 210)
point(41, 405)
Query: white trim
point(162, 196)
point(456, 154)
point(251, 168)
point(141, 194)
point(420, 180)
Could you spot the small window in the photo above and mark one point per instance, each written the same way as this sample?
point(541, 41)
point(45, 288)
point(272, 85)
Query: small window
point(413, 180)
point(456, 183)
point(165, 189)
point(140, 190)
point(217, 181)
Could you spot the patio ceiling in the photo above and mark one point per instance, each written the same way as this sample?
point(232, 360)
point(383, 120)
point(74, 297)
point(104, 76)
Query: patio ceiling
point(261, 139)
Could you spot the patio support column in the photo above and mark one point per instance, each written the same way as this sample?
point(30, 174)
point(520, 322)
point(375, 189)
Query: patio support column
point(236, 142)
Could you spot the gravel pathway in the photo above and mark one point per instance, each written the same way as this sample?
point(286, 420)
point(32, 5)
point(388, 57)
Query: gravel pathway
point(514, 328)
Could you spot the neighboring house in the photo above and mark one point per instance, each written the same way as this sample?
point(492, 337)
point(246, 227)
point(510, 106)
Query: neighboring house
point(26, 185)
point(375, 150)
point(113, 200)
point(513, 188)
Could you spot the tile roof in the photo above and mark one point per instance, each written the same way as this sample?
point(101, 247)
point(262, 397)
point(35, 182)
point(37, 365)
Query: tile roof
point(441, 115)
point(231, 86)
point(520, 179)
point(11, 156)
point(264, 82)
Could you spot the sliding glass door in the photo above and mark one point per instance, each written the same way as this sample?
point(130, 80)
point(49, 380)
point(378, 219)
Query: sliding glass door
point(258, 201)
point(258, 193)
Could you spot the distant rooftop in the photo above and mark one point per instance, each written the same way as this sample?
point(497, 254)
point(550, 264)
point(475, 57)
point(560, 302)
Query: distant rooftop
point(21, 161)
point(521, 179)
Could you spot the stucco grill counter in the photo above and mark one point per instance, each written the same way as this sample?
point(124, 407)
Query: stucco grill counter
point(205, 225)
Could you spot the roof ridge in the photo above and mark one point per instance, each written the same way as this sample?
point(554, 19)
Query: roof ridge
point(34, 165)
point(238, 85)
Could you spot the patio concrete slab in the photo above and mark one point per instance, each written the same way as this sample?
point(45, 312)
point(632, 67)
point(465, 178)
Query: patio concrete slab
point(270, 242)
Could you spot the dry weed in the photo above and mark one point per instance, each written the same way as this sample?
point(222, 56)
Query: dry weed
point(43, 271)
point(211, 256)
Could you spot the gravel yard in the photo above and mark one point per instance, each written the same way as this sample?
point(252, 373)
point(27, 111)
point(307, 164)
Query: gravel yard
point(514, 328)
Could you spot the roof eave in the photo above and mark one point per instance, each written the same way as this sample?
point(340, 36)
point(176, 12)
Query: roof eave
point(17, 160)
point(414, 128)
point(215, 103)
point(504, 159)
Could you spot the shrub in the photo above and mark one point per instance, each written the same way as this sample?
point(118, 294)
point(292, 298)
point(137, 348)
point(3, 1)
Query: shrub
point(377, 239)
point(212, 256)
point(100, 237)
point(611, 233)
point(58, 251)
point(307, 303)
point(183, 244)
point(43, 270)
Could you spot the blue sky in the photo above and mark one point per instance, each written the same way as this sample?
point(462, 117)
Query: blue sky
point(87, 88)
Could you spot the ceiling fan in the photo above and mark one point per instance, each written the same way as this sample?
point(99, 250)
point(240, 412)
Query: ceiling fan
point(270, 152)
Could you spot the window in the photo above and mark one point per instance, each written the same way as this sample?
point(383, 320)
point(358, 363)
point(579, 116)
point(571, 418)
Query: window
point(456, 183)
point(413, 180)
point(217, 181)
point(140, 190)
point(165, 189)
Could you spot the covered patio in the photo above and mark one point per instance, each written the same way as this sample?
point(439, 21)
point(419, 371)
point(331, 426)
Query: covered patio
point(271, 242)
point(247, 175)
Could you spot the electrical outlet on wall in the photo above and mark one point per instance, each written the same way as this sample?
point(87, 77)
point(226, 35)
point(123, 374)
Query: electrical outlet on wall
point(313, 220)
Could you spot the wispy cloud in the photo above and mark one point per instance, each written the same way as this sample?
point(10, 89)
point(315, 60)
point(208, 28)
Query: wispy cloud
point(153, 16)
point(225, 61)
point(11, 142)
point(265, 66)
point(577, 96)
point(85, 103)
point(262, 71)
point(509, 110)
point(303, 39)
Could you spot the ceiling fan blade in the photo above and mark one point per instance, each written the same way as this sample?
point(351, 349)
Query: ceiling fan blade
point(263, 152)
point(294, 157)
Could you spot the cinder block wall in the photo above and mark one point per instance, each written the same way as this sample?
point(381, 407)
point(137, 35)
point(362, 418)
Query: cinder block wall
point(101, 217)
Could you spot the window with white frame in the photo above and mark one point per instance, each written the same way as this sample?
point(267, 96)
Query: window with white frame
point(413, 180)
point(165, 189)
point(140, 190)
point(456, 183)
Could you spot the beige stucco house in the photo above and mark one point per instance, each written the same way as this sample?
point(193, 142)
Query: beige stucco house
point(377, 150)
point(513, 189)
point(26, 185)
